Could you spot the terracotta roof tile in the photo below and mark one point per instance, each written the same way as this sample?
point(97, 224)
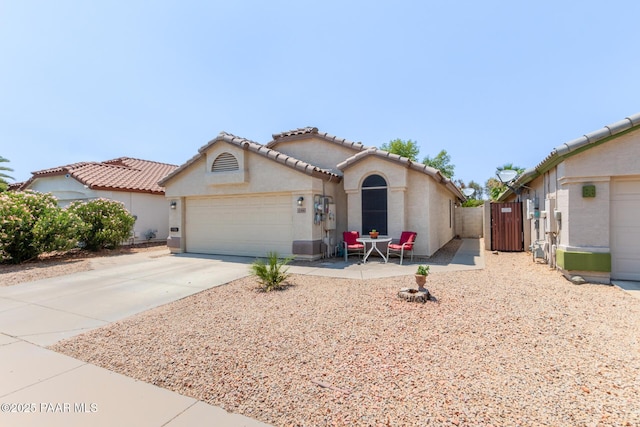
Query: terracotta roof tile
point(121, 174)
point(262, 150)
point(302, 133)
point(295, 132)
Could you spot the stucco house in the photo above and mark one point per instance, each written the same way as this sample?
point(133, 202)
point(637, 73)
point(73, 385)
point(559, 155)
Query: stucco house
point(133, 182)
point(582, 203)
point(296, 195)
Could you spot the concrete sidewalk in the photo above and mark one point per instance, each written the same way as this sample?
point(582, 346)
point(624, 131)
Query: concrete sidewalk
point(39, 387)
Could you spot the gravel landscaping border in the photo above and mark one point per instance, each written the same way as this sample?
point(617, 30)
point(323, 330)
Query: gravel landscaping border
point(513, 344)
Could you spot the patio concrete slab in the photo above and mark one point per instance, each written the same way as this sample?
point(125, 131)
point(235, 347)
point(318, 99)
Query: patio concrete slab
point(470, 256)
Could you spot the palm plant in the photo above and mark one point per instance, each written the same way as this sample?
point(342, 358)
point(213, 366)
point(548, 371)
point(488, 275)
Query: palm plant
point(271, 274)
point(4, 184)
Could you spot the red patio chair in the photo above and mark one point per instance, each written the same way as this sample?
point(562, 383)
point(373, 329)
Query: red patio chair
point(405, 244)
point(351, 244)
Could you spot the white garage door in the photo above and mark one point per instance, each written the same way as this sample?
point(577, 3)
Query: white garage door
point(247, 226)
point(625, 230)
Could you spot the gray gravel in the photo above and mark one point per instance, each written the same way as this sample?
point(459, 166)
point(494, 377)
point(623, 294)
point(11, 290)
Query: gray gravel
point(514, 344)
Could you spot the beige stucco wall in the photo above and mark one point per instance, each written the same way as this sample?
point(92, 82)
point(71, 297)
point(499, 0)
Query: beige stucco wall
point(396, 177)
point(441, 217)
point(469, 222)
point(585, 223)
point(415, 203)
point(259, 176)
point(316, 151)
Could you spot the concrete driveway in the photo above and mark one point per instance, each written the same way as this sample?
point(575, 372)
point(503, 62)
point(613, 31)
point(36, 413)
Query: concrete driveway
point(39, 387)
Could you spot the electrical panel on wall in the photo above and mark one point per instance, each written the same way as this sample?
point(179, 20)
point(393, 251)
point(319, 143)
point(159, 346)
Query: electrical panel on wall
point(530, 208)
point(549, 222)
point(330, 219)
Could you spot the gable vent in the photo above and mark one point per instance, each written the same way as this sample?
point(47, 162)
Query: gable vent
point(225, 162)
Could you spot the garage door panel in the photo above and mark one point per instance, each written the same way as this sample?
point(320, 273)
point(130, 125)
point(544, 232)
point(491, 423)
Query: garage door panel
point(625, 230)
point(250, 226)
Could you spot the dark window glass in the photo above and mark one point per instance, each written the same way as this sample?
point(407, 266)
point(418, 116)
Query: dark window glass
point(374, 205)
point(374, 181)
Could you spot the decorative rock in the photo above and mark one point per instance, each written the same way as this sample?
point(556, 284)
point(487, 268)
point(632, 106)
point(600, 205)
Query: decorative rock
point(415, 295)
point(578, 280)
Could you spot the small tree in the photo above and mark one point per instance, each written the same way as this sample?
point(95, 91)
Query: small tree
point(32, 223)
point(271, 275)
point(408, 149)
point(442, 162)
point(107, 223)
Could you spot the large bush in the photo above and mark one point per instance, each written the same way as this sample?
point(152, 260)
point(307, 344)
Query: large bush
point(107, 223)
point(32, 223)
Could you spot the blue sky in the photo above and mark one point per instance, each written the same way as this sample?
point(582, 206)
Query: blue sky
point(491, 82)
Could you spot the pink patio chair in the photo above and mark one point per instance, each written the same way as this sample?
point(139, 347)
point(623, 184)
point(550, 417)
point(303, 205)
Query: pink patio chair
point(405, 244)
point(351, 244)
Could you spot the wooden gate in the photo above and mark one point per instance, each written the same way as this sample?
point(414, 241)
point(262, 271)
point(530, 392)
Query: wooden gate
point(507, 227)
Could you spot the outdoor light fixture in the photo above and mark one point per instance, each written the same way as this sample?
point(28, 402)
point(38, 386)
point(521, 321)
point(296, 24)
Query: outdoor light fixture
point(173, 204)
point(300, 200)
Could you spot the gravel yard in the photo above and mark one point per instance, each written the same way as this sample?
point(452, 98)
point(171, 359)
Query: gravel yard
point(514, 344)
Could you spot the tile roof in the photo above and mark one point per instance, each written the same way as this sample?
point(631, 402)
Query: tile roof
point(262, 150)
point(301, 133)
point(568, 149)
point(420, 167)
point(121, 174)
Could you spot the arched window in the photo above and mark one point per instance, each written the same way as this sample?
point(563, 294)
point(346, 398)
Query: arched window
point(374, 204)
point(225, 162)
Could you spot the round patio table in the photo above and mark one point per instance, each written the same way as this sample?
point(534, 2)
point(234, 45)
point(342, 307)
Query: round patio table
point(374, 245)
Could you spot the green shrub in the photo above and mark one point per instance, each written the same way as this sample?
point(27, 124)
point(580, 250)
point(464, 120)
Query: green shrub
point(58, 230)
point(423, 270)
point(32, 223)
point(107, 223)
point(271, 274)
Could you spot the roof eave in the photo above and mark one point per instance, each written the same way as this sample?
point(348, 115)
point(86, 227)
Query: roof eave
point(420, 167)
point(573, 147)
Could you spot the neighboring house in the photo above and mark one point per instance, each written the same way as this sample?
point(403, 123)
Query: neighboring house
point(133, 182)
point(584, 199)
point(298, 193)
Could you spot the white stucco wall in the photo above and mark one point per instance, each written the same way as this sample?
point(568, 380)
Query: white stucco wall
point(66, 190)
point(150, 209)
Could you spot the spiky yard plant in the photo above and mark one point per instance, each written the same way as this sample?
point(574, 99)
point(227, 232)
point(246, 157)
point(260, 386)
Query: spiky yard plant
point(271, 274)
